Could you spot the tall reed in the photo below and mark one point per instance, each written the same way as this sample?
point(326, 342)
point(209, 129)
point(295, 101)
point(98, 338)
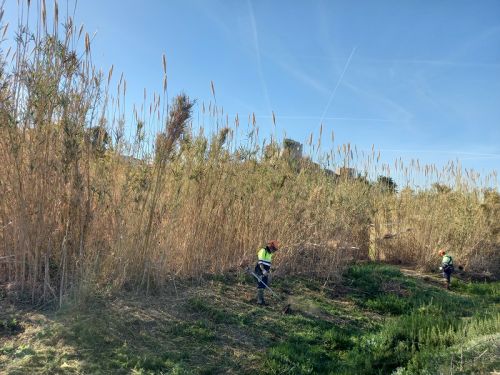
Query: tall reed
point(83, 203)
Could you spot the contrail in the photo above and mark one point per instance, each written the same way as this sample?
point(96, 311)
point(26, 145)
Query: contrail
point(465, 64)
point(481, 157)
point(446, 152)
point(257, 52)
point(337, 85)
point(305, 117)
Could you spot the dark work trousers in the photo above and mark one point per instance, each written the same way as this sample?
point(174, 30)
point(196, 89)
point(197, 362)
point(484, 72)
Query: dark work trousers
point(258, 272)
point(260, 285)
point(447, 275)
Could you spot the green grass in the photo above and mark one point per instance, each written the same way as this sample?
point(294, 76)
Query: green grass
point(379, 321)
point(420, 322)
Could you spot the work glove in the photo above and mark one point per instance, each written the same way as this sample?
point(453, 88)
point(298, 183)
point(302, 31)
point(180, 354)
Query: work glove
point(265, 273)
point(440, 268)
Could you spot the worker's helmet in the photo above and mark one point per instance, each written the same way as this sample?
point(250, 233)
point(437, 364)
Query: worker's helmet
point(442, 252)
point(273, 245)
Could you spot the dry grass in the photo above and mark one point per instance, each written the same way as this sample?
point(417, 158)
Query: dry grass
point(459, 221)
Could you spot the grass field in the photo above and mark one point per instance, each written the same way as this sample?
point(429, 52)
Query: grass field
point(379, 320)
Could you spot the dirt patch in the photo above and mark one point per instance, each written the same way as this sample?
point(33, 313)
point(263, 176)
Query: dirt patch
point(426, 277)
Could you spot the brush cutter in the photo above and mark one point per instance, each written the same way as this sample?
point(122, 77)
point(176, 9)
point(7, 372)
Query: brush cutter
point(286, 308)
point(259, 279)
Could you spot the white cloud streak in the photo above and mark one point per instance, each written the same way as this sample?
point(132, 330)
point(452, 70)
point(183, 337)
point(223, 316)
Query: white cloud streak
point(340, 118)
point(468, 155)
point(300, 75)
point(441, 62)
point(393, 110)
point(339, 81)
point(256, 43)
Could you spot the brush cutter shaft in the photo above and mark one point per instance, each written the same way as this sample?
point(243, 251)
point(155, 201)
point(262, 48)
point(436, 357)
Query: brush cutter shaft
point(263, 283)
point(286, 308)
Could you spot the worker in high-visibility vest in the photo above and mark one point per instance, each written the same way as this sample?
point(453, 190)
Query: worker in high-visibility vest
point(446, 266)
point(263, 267)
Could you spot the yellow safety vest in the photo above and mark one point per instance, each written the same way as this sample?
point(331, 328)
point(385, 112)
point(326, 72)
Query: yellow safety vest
point(265, 257)
point(447, 260)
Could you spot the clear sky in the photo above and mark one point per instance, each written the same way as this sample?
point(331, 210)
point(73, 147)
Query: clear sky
point(419, 79)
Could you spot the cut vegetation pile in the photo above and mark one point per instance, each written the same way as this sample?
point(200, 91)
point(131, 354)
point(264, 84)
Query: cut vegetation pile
point(376, 321)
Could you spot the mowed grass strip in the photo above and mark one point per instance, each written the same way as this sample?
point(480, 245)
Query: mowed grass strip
point(377, 321)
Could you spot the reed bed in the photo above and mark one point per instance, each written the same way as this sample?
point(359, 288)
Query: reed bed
point(92, 199)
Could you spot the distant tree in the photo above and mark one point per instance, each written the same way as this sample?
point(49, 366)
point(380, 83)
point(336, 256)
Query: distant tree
point(98, 139)
point(387, 184)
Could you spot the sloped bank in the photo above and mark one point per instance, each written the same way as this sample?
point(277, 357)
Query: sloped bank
point(377, 321)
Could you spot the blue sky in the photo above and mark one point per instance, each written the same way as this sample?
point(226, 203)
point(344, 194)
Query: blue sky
point(419, 79)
